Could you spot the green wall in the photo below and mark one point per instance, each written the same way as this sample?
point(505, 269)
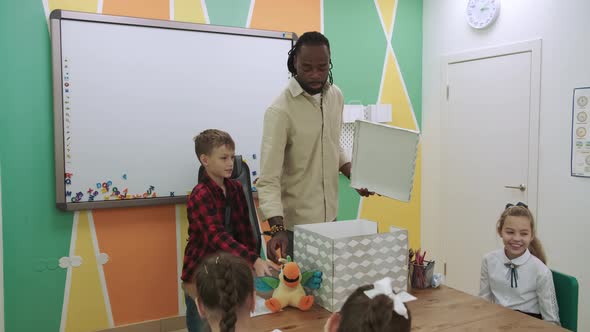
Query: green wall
point(407, 45)
point(228, 12)
point(358, 47)
point(35, 234)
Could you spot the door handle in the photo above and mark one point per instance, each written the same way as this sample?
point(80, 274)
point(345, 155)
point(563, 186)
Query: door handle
point(520, 187)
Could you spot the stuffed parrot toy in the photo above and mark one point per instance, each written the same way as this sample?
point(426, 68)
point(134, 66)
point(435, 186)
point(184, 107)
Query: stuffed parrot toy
point(288, 287)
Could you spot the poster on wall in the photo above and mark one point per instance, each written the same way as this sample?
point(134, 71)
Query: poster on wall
point(581, 132)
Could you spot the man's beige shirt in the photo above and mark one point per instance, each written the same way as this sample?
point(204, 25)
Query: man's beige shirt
point(301, 156)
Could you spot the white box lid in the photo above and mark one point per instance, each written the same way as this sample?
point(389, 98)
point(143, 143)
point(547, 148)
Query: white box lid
point(342, 229)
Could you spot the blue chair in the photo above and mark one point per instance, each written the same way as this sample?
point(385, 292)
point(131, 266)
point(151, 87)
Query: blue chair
point(566, 289)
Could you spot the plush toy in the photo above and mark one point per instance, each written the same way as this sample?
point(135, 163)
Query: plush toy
point(288, 288)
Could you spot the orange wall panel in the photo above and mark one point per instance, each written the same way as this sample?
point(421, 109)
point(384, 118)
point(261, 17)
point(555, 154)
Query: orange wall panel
point(141, 274)
point(158, 9)
point(296, 16)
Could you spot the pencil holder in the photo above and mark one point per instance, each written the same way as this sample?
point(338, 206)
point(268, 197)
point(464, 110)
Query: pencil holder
point(421, 274)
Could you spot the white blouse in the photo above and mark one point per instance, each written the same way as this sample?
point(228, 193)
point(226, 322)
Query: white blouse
point(534, 291)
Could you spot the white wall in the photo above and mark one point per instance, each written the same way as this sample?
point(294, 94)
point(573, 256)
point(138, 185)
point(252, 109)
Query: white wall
point(564, 201)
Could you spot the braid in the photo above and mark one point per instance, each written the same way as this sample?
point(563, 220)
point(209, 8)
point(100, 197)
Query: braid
point(224, 285)
point(228, 298)
point(308, 38)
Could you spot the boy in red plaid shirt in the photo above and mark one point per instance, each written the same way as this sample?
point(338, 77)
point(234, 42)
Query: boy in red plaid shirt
point(205, 210)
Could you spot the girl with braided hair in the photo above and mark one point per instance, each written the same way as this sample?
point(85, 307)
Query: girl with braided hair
point(225, 292)
point(371, 308)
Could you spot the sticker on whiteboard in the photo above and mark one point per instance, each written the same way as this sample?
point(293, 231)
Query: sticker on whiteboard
point(150, 190)
point(78, 197)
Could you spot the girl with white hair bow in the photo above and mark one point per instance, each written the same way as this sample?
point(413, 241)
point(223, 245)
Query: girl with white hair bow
point(371, 308)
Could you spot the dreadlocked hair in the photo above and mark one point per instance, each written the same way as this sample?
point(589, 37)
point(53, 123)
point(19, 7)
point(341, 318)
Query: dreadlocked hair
point(224, 284)
point(363, 314)
point(309, 38)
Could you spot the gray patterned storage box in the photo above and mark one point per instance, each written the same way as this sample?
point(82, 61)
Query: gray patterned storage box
point(351, 254)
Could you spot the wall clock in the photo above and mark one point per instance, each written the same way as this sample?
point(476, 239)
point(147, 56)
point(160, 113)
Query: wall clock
point(482, 13)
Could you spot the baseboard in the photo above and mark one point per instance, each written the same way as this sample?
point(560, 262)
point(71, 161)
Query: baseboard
point(168, 324)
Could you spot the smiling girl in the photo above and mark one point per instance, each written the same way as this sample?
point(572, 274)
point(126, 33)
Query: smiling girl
point(516, 276)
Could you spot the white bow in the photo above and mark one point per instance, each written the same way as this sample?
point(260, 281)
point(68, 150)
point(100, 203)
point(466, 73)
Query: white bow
point(383, 287)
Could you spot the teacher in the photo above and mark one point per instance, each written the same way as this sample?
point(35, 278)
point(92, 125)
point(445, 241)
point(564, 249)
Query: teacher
point(301, 154)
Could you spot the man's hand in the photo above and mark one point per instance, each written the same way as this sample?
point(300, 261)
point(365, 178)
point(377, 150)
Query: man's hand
point(264, 268)
point(346, 169)
point(365, 192)
point(279, 241)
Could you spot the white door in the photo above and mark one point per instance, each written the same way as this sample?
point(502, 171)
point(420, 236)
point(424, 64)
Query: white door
point(489, 132)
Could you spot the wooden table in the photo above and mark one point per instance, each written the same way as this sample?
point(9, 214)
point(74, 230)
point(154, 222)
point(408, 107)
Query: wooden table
point(292, 319)
point(447, 309)
point(441, 309)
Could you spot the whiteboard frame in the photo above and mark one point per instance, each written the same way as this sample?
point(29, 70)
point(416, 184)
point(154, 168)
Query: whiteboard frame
point(55, 19)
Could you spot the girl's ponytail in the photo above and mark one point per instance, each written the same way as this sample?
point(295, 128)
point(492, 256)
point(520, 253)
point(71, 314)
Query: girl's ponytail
point(536, 249)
